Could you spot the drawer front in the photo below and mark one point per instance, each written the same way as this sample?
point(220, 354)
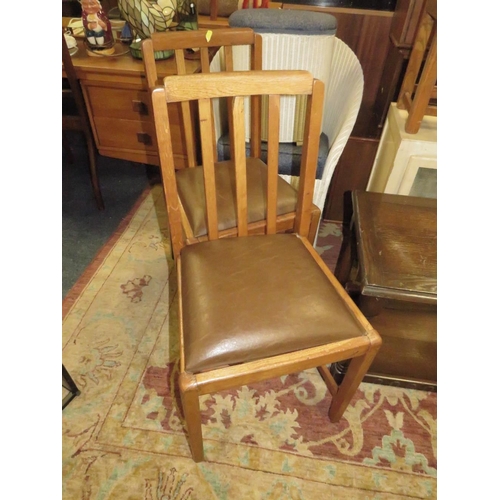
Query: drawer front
point(125, 134)
point(126, 104)
point(138, 135)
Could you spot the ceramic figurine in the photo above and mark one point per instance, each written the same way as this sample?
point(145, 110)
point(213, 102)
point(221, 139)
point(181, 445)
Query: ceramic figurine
point(97, 27)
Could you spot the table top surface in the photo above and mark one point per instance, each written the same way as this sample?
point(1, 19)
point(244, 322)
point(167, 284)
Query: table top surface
point(397, 245)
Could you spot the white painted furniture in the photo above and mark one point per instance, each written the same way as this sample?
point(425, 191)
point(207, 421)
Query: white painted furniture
point(406, 163)
point(344, 84)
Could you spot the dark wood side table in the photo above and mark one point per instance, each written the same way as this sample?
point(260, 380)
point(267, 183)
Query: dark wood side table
point(388, 264)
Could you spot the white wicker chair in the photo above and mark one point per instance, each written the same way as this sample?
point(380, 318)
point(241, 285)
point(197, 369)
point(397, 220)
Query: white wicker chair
point(344, 84)
point(343, 95)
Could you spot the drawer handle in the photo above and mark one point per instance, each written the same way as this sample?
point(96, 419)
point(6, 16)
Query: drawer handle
point(140, 107)
point(144, 138)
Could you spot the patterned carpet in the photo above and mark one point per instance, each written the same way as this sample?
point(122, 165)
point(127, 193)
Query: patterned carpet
point(123, 437)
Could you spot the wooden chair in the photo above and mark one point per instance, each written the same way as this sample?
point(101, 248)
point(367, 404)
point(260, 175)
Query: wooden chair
point(254, 307)
point(74, 117)
point(422, 66)
point(191, 189)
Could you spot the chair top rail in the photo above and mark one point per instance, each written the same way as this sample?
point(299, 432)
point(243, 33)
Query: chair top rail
point(208, 86)
point(172, 40)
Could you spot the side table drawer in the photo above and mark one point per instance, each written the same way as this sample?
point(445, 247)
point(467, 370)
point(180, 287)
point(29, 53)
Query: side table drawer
point(126, 104)
point(140, 135)
point(125, 134)
point(123, 125)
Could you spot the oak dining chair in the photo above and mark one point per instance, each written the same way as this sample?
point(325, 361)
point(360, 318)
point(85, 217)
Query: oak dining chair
point(204, 44)
point(254, 306)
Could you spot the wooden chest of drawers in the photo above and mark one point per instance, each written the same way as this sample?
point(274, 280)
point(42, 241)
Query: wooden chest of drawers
point(119, 106)
point(123, 123)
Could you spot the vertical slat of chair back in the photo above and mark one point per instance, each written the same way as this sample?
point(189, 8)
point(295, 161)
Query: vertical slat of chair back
point(205, 59)
point(229, 66)
point(256, 101)
point(228, 58)
point(310, 150)
point(187, 121)
point(206, 131)
point(273, 114)
point(239, 158)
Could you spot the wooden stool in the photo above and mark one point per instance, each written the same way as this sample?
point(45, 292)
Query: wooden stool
point(388, 265)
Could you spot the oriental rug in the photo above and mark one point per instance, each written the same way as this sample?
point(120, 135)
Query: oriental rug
point(124, 437)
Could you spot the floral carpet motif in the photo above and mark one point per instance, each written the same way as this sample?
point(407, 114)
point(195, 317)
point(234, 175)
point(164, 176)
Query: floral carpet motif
point(124, 438)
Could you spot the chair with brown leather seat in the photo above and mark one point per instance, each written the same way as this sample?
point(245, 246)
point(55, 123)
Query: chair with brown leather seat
point(74, 117)
point(191, 187)
point(254, 307)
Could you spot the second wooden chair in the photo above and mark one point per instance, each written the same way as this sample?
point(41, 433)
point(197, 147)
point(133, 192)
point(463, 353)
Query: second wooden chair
point(191, 188)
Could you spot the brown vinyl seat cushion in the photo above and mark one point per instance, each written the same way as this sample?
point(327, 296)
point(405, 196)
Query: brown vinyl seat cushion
point(252, 297)
point(191, 190)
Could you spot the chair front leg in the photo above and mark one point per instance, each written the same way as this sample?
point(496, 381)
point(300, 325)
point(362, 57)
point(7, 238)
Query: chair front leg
point(355, 373)
point(192, 414)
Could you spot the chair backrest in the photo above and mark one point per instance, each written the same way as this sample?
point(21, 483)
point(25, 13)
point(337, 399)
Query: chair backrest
point(205, 43)
point(419, 82)
point(236, 86)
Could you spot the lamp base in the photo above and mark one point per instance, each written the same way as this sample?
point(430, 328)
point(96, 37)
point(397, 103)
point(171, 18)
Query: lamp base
point(136, 51)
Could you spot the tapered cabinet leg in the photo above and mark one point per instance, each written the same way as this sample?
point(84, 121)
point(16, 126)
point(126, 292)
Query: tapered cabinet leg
point(191, 408)
point(355, 373)
point(93, 174)
point(67, 148)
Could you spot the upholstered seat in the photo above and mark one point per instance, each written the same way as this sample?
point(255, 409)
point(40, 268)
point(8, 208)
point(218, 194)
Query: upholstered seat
point(191, 187)
point(297, 307)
